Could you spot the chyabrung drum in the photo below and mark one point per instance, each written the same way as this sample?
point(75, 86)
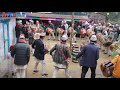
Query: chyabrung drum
point(60, 30)
point(75, 52)
point(49, 30)
point(107, 72)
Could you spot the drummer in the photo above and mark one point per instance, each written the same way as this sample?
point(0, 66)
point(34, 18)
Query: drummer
point(62, 27)
point(39, 27)
point(72, 33)
point(51, 25)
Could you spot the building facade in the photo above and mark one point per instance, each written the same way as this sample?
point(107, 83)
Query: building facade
point(7, 38)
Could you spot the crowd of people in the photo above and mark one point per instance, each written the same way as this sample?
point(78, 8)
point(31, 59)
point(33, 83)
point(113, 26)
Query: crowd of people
point(30, 38)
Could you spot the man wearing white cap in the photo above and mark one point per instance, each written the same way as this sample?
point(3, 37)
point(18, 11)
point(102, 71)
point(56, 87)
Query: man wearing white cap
point(88, 57)
point(21, 55)
point(66, 27)
point(39, 54)
point(18, 29)
point(51, 25)
point(61, 57)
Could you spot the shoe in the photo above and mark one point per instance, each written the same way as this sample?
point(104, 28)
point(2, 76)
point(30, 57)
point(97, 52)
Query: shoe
point(45, 74)
point(35, 71)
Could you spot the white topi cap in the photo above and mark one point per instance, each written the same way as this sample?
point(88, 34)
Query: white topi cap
point(49, 21)
point(64, 37)
point(31, 20)
point(37, 36)
point(22, 36)
point(42, 34)
point(93, 38)
point(19, 21)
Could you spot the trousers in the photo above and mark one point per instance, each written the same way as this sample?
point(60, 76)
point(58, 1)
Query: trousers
point(52, 35)
point(85, 69)
point(43, 65)
point(56, 71)
point(21, 71)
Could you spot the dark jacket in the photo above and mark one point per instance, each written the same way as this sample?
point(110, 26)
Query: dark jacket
point(39, 49)
point(62, 26)
point(30, 36)
point(62, 53)
point(51, 26)
point(21, 53)
point(90, 55)
point(18, 30)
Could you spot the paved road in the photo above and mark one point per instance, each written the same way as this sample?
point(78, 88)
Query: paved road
point(75, 69)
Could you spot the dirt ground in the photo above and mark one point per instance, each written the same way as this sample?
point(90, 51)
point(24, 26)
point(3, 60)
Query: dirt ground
point(75, 69)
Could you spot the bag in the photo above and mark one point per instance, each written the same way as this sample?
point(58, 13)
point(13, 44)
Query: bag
point(64, 62)
point(107, 72)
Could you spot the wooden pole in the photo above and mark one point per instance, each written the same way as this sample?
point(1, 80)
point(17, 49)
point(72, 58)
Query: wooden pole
point(71, 33)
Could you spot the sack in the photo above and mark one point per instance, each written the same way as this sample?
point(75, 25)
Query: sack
point(107, 72)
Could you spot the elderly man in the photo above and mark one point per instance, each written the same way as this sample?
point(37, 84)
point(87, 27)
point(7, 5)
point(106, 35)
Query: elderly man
point(18, 29)
point(39, 53)
point(21, 55)
point(61, 57)
point(88, 57)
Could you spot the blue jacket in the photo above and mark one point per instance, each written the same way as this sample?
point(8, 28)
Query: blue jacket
point(89, 55)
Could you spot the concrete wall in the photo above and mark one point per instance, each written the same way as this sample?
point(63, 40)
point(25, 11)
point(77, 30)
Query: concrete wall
point(4, 62)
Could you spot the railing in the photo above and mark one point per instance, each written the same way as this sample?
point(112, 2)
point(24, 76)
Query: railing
point(67, 13)
point(70, 13)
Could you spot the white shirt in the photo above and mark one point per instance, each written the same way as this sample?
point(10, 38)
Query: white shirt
point(66, 26)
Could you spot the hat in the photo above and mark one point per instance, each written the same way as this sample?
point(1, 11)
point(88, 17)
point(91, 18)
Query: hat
point(36, 35)
point(27, 22)
point(49, 21)
point(33, 26)
point(93, 38)
point(64, 37)
point(19, 22)
point(31, 20)
point(22, 36)
point(43, 34)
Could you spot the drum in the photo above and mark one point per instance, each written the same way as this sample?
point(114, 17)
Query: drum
point(60, 30)
point(71, 30)
point(107, 72)
point(83, 32)
point(49, 30)
point(88, 32)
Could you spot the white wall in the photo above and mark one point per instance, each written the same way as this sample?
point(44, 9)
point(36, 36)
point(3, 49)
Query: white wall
point(1, 43)
point(4, 63)
point(12, 24)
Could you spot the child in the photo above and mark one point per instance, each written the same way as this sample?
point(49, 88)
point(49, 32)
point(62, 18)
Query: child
point(11, 64)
